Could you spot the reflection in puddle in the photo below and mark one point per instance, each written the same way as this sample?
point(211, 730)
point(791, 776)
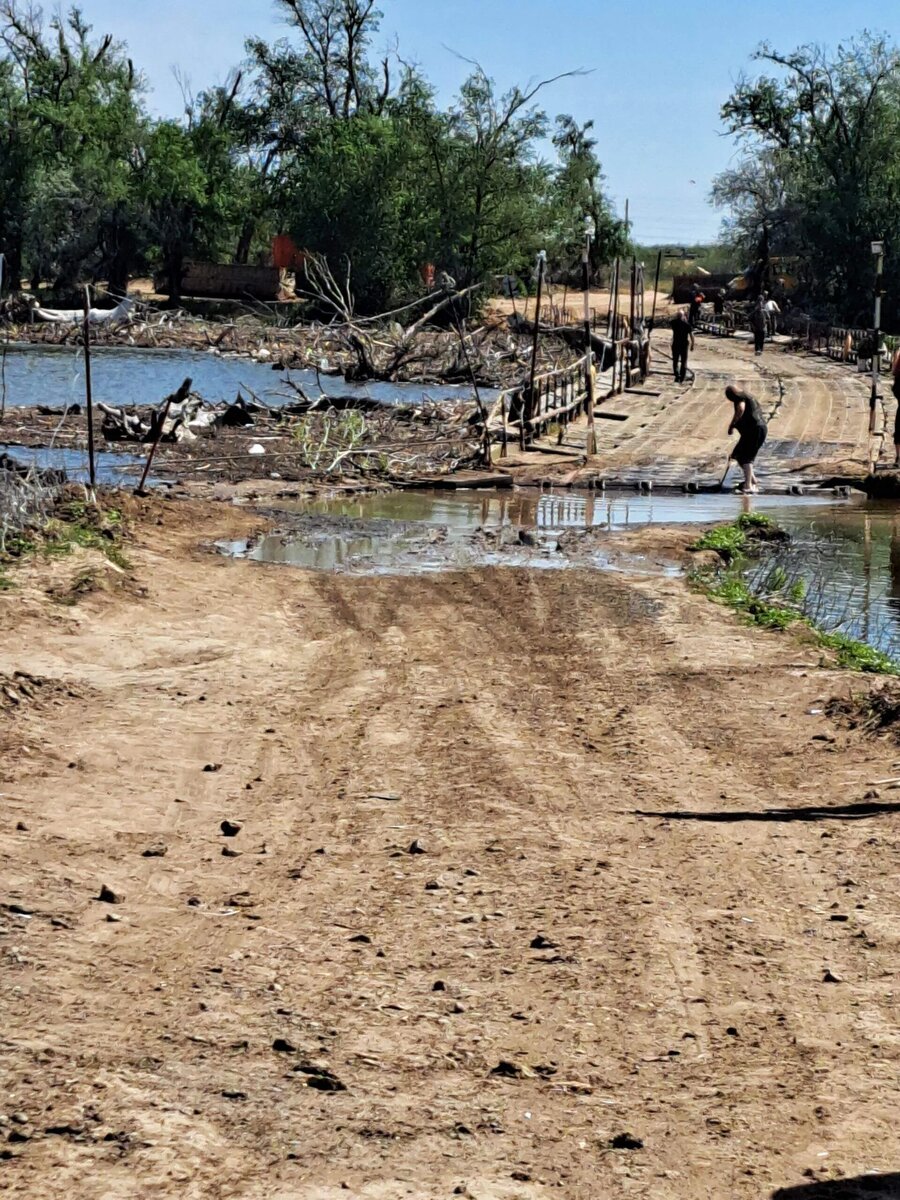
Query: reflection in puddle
point(847, 553)
point(550, 511)
point(422, 531)
point(338, 552)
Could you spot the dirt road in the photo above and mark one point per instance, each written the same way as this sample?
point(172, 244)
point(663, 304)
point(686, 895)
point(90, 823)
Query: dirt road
point(442, 955)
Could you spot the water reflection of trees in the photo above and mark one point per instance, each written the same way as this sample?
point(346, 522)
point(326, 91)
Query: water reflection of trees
point(842, 573)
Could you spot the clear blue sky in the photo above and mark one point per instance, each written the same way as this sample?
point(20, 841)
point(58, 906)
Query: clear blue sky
point(661, 70)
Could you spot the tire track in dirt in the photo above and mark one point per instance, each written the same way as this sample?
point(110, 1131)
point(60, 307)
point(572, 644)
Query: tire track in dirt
point(518, 719)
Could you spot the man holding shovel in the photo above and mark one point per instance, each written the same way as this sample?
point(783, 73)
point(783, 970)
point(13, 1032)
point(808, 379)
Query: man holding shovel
point(750, 423)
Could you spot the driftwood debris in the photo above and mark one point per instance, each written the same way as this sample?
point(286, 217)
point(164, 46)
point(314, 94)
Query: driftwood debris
point(94, 316)
point(572, 336)
point(179, 418)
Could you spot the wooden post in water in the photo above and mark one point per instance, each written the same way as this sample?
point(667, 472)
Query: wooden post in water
point(88, 387)
point(613, 291)
point(633, 285)
point(528, 413)
point(617, 366)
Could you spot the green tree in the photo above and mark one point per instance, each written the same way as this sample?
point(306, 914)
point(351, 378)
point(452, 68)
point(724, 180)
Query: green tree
point(174, 188)
point(16, 172)
point(85, 125)
point(578, 192)
point(825, 132)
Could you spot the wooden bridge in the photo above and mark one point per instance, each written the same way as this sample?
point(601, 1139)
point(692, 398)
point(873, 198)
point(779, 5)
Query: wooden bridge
point(654, 432)
point(525, 414)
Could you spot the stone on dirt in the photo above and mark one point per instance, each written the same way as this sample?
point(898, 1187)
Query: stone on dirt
point(231, 828)
point(108, 896)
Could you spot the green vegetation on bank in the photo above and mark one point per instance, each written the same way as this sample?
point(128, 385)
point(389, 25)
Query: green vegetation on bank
point(73, 524)
point(729, 541)
point(781, 607)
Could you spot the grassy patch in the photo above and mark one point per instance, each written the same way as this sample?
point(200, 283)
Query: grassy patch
point(732, 541)
point(732, 590)
point(74, 524)
point(858, 656)
point(727, 540)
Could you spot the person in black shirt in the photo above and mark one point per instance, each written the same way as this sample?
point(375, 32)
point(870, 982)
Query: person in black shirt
point(682, 337)
point(750, 423)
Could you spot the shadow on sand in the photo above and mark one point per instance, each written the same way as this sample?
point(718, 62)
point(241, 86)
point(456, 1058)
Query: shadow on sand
point(822, 812)
point(863, 1187)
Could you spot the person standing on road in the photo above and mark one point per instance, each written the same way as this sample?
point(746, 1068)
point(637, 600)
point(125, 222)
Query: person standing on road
point(750, 423)
point(758, 323)
point(772, 314)
point(682, 338)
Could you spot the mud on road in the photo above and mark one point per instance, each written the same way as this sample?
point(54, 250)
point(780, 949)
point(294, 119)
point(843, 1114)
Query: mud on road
point(442, 953)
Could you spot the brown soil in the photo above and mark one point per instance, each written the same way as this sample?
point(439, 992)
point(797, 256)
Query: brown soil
point(555, 996)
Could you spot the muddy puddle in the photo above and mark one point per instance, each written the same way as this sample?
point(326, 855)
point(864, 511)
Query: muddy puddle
point(421, 531)
point(845, 552)
point(129, 375)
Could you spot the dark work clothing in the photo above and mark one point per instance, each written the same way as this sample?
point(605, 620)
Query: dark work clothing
point(681, 333)
point(694, 312)
point(895, 388)
point(758, 323)
point(681, 340)
point(752, 429)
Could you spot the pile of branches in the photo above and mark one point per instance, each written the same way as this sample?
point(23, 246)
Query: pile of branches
point(392, 443)
point(435, 345)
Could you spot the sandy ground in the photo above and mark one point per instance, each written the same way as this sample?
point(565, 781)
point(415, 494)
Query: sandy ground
point(553, 996)
point(599, 300)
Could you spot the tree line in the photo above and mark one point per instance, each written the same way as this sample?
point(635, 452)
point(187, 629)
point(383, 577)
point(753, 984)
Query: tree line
point(317, 136)
point(818, 178)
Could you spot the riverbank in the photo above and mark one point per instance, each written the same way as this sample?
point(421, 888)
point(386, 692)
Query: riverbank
point(531, 880)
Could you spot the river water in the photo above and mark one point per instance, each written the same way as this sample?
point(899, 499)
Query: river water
point(54, 375)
